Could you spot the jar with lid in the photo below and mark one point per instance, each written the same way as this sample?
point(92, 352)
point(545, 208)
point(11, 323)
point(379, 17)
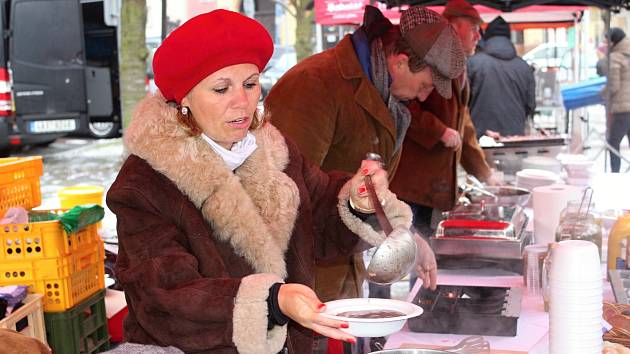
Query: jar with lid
point(573, 207)
point(580, 227)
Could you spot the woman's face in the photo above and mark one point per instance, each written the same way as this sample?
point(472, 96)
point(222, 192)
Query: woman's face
point(223, 104)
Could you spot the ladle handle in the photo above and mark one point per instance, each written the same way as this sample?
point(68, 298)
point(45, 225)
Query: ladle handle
point(378, 208)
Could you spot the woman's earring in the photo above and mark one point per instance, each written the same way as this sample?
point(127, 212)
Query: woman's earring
point(184, 111)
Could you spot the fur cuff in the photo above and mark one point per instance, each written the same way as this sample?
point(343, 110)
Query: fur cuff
point(249, 333)
point(398, 213)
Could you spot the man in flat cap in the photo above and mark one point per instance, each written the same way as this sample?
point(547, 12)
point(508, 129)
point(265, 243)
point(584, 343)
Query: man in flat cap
point(503, 90)
point(347, 101)
point(441, 135)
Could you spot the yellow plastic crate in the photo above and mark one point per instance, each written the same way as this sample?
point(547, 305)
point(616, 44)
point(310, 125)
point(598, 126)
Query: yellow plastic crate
point(32, 269)
point(43, 239)
point(64, 292)
point(19, 182)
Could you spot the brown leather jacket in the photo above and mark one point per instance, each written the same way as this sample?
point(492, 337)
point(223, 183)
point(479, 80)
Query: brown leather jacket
point(331, 110)
point(427, 172)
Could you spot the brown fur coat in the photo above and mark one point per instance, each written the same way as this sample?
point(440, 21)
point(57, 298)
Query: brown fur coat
point(200, 245)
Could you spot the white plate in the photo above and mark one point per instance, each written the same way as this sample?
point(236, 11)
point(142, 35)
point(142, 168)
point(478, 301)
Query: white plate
point(537, 174)
point(372, 327)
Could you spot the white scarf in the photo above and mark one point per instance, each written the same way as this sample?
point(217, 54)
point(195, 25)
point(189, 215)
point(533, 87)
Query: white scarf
point(238, 154)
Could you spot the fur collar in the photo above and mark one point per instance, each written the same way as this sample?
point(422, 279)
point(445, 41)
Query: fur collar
point(253, 208)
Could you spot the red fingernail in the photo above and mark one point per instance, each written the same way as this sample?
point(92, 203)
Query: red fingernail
point(362, 190)
point(352, 341)
point(365, 171)
point(321, 306)
point(345, 325)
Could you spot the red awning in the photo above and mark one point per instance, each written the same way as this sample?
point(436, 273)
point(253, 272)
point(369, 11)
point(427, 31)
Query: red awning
point(339, 12)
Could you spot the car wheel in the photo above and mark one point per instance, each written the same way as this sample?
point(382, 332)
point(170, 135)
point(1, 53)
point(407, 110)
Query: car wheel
point(104, 130)
point(6, 152)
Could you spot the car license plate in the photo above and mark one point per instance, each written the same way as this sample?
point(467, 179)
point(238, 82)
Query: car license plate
point(53, 126)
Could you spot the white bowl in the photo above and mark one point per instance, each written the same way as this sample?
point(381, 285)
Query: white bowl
point(372, 327)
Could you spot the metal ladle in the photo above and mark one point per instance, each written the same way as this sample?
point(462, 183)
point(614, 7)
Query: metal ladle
point(468, 345)
point(393, 259)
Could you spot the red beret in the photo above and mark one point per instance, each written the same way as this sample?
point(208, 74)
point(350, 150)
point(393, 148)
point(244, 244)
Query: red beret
point(207, 43)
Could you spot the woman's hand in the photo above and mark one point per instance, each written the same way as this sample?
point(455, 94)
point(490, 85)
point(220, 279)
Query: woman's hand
point(358, 192)
point(299, 303)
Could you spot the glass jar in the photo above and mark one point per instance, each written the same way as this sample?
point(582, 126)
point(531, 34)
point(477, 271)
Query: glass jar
point(573, 208)
point(545, 274)
point(580, 227)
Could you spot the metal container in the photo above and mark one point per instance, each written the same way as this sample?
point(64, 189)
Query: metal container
point(505, 195)
point(496, 232)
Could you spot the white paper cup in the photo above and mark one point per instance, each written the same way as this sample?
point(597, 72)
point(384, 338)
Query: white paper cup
point(576, 349)
point(576, 309)
point(577, 285)
point(580, 319)
point(576, 293)
point(576, 297)
point(575, 260)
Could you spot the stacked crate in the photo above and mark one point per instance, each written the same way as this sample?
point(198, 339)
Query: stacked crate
point(67, 269)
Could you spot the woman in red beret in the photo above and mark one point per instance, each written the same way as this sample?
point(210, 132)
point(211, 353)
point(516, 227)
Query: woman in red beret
point(220, 219)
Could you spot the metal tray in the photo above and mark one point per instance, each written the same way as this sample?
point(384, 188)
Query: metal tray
point(620, 283)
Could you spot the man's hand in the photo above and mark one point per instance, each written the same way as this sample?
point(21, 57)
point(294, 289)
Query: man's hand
point(451, 139)
point(426, 266)
point(494, 135)
point(493, 181)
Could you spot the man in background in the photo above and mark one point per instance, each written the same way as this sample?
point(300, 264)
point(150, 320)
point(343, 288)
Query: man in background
point(502, 85)
point(347, 101)
point(440, 137)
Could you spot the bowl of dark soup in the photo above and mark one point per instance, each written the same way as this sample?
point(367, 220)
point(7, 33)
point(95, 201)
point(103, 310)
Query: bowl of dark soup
point(368, 317)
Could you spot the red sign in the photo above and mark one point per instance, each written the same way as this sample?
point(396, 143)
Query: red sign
point(343, 12)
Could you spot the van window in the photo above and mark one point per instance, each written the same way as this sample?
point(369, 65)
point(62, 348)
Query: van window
point(48, 32)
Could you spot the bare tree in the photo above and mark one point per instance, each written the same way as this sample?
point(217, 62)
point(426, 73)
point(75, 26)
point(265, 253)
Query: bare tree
point(302, 11)
point(133, 55)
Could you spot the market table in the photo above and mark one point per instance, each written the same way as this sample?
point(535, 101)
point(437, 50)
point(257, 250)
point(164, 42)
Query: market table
point(611, 192)
point(533, 323)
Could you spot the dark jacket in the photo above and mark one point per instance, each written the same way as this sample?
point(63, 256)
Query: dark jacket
point(200, 245)
point(427, 172)
point(332, 111)
point(502, 88)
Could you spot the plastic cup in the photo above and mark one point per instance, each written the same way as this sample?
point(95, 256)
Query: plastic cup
point(533, 258)
point(575, 260)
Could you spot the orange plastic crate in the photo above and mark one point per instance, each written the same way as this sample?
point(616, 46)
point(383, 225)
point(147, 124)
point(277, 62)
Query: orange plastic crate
point(64, 292)
point(43, 239)
point(19, 182)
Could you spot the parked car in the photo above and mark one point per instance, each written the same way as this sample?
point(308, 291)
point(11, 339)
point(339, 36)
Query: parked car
point(560, 57)
point(284, 57)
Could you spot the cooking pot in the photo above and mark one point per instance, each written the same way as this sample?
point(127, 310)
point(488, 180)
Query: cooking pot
point(411, 351)
point(505, 195)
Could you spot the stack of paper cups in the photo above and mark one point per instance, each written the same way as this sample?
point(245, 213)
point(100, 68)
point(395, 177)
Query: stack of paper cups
point(548, 203)
point(575, 299)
